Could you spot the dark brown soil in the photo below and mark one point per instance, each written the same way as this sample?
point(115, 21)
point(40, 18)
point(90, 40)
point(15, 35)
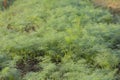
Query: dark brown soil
point(30, 65)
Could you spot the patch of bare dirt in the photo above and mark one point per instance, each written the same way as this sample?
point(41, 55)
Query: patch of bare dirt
point(112, 5)
point(30, 65)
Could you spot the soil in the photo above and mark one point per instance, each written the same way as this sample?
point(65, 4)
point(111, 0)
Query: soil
point(30, 65)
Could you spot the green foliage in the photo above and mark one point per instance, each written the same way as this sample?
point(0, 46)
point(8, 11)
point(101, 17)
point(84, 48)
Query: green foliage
point(105, 60)
point(71, 71)
point(9, 74)
point(58, 40)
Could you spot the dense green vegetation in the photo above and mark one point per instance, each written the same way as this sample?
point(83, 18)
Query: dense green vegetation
point(59, 40)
